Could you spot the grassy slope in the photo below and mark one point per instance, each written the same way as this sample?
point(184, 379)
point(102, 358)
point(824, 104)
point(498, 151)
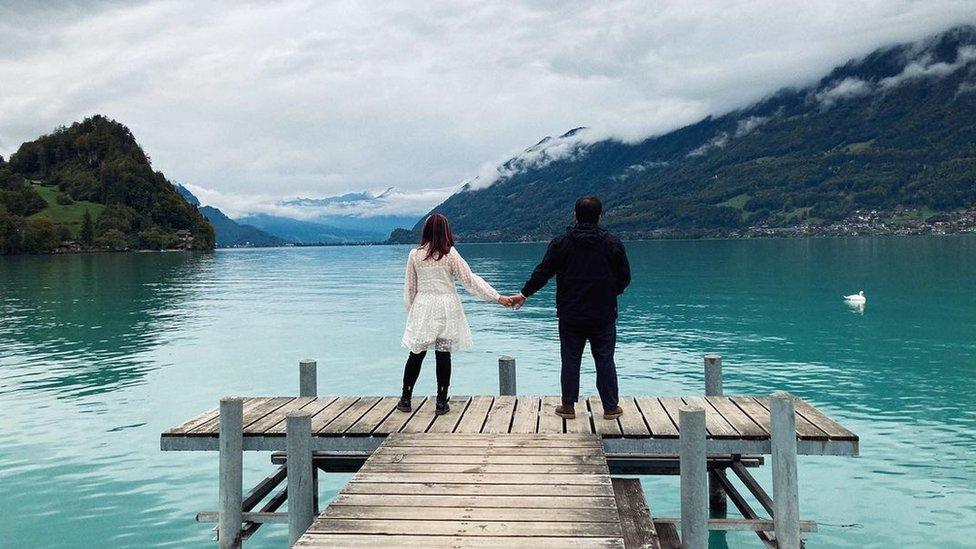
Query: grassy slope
point(71, 215)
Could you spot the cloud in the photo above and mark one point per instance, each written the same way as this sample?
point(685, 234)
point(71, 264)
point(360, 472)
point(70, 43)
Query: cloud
point(304, 98)
point(925, 68)
point(848, 88)
point(391, 202)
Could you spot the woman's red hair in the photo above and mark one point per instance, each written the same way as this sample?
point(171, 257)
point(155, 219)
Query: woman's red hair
point(437, 236)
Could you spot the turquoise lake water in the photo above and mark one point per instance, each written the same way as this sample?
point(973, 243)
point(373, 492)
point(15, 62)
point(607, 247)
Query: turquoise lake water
point(100, 353)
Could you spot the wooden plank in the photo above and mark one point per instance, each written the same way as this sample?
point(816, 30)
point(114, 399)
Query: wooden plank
point(715, 424)
point(671, 405)
point(526, 419)
point(517, 502)
point(262, 425)
point(667, 535)
point(397, 419)
point(192, 423)
point(804, 429)
point(351, 415)
point(740, 421)
point(438, 457)
point(374, 417)
point(472, 478)
point(474, 417)
point(493, 514)
point(501, 450)
point(632, 422)
point(581, 424)
point(834, 430)
point(467, 528)
point(507, 490)
point(435, 440)
point(447, 422)
point(254, 408)
point(549, 422)
point(421, 419)
point(602, 426)
point(322, 419)
point(488, 468)
point(635, 517)
point(656, 418)
point(374, 541)
point(500, 416)
point(756, 412)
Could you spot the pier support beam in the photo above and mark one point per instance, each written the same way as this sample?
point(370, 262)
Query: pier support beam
point(694, 472)
point(307, 378)
point(786, 505)
point(506, 376)
point(308, 386)
point(717, 502)
point(298, 441)
point(231, 472)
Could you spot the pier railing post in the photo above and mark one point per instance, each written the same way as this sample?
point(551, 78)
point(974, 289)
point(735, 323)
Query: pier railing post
point(298, 442)
point(506, 376)
point(307, 378)
point(308, 386)
point(786, 504)
point(231, 472)
point(717, 501)
point(694, 472)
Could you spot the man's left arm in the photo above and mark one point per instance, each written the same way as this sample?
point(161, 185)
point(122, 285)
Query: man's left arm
point(621, 267)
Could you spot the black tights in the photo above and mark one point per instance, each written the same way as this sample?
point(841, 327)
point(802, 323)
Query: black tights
point(412, 370)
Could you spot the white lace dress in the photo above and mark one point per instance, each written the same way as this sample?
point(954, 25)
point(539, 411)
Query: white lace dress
point(434, 314)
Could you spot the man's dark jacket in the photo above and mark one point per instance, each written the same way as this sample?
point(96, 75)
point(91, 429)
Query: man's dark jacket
point(591, 270)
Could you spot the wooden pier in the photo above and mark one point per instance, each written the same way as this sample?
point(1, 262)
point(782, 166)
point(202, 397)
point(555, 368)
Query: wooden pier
point(505, 471)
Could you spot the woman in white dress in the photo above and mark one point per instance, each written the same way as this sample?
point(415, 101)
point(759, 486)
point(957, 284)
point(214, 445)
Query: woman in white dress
point(434, 314)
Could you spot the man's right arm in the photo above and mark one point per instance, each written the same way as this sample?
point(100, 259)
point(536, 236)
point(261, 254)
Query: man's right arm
point(545, 270)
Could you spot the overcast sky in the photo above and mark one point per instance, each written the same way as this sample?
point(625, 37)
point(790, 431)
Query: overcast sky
point(252, 102)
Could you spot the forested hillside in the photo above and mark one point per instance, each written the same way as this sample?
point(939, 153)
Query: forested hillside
point(91, 186)
point(888, 137)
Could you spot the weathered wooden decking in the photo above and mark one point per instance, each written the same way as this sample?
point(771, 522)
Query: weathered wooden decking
point(476, 490)
point(649, 425)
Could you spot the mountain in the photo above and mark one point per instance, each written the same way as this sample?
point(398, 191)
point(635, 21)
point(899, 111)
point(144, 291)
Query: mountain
point(229, 233)
point(308, 232)
point(359, 211)
point(97, 186)
point(891, 135)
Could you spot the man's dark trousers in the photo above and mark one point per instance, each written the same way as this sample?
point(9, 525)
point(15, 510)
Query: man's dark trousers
point(603, 340)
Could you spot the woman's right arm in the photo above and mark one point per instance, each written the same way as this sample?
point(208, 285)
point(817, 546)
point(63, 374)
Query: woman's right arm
point(410, 281)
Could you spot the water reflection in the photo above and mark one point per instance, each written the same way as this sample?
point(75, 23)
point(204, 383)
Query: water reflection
point(78, 324)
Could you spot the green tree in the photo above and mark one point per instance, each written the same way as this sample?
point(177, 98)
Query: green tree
point(87, 229)
point(41, 236)
point(10, 232)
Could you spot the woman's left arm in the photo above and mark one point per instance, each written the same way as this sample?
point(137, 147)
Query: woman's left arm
point(472, 282)
point(410, 282)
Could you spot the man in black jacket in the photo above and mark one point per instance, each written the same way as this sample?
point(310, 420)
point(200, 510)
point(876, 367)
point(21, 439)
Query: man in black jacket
point(591, 270)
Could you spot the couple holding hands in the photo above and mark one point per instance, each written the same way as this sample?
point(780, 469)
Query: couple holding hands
point(591, 270)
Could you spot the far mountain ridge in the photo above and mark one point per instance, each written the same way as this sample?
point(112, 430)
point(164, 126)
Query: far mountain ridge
point(894, 131)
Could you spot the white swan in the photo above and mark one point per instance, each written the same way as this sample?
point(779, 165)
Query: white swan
point(856, 298)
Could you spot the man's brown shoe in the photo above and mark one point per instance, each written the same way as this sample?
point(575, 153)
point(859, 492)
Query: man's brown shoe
point(566, 411)
point(613, 414)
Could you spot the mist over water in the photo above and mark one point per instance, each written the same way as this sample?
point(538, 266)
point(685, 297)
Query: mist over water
point(100, 353)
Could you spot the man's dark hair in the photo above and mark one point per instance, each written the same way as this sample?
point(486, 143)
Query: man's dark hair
point(588, 209)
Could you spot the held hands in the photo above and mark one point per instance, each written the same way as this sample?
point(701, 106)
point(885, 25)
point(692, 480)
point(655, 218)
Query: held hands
point(512, 301)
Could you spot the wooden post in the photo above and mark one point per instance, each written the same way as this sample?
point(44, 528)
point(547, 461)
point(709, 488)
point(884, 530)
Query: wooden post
point(506, 376)
point(307, 378)
point(298, 441)
point(694, 472)
point(308, 387)
point(717, 502)
point(231, 472)
point(786, 504)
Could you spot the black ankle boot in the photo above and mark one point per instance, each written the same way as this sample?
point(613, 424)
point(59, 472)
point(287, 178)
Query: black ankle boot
point(404, 404)
point(442, 406)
